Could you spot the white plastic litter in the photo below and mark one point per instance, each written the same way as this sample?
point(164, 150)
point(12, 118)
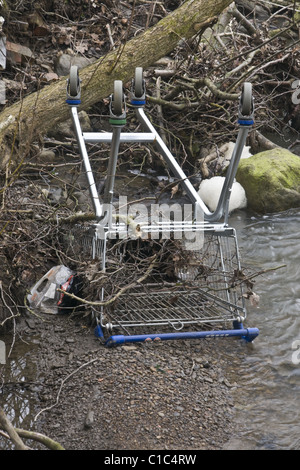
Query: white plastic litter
point(44, 295)
point(210, 190)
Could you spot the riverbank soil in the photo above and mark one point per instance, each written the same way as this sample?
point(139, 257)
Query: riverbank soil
point(142, 396)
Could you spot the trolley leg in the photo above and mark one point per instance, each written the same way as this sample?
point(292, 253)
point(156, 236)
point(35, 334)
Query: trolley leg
point(112, 164)
point(118, 120)
point(251, 334)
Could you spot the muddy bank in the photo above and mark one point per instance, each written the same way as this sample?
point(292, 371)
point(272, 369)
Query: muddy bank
point(146, 396)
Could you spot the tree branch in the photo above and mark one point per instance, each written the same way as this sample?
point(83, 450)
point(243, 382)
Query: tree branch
point(6, 425)
point(36, 436)
point(118, 294)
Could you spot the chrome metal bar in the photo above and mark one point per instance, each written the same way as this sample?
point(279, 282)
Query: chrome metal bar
point(84, 155)
point(111, 172)
point(222, 207)
point(172, 163)
point(112, 164)
point(125, 137)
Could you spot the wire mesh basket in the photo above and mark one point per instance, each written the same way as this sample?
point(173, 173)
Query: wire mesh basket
point(161, 289)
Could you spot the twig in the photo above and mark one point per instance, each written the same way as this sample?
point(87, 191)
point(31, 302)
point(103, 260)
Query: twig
point(36, 436)
point(246, 23)
point(122, 46)
point(10, 430)
point(259, 46)
point(248, 278)
point(194, 83)
point(243, 64)
point(264, 271)
point(118, 294)
point(30, 310)
point(170, 104)
point(61, 387)
point(110, 36)
point(13, 315)
point(214, 89)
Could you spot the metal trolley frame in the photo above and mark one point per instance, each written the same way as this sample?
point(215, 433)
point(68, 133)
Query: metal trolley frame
point(214, 308)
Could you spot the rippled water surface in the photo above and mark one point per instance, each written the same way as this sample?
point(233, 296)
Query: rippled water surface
point(269, 369)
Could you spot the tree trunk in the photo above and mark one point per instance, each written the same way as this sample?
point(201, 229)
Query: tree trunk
point(37, 113)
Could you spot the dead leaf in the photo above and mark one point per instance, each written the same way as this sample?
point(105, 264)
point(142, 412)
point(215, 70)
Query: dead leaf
point(96, 40)
point(41, 31)
point(82, 48)
point(49, 77)
point(254, 300)
point(174, 190)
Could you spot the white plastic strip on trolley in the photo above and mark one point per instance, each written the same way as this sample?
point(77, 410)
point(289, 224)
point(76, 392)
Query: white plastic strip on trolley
point(205, 300)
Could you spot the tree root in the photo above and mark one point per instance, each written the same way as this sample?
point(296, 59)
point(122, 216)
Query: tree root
point(15, 435)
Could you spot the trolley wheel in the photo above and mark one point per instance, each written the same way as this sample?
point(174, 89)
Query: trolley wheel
point(117, 101)
point(74, 82)
point(246, 99)
point(138, 82)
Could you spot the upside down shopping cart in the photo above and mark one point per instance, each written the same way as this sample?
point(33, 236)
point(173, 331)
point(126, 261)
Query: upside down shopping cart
point(202, 295)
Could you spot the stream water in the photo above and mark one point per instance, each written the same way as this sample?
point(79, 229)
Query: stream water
point(18, 392)
point(267, 370)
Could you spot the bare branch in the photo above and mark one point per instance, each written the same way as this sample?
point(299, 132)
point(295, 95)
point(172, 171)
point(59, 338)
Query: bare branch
point(7, 426)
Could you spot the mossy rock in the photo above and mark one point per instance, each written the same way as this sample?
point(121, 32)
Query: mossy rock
point(271, 180)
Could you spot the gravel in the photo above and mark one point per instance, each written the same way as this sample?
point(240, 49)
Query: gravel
point(144, 396)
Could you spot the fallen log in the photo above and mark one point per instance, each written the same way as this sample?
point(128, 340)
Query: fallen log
point(38, 112)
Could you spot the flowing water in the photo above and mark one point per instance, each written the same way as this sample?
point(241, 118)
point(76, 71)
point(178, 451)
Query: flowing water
point(267, 370)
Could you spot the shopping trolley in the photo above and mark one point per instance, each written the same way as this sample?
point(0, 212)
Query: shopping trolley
point(188, 282)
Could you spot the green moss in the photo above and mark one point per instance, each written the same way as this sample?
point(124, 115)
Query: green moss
point(296, 17)
point(271, 180)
